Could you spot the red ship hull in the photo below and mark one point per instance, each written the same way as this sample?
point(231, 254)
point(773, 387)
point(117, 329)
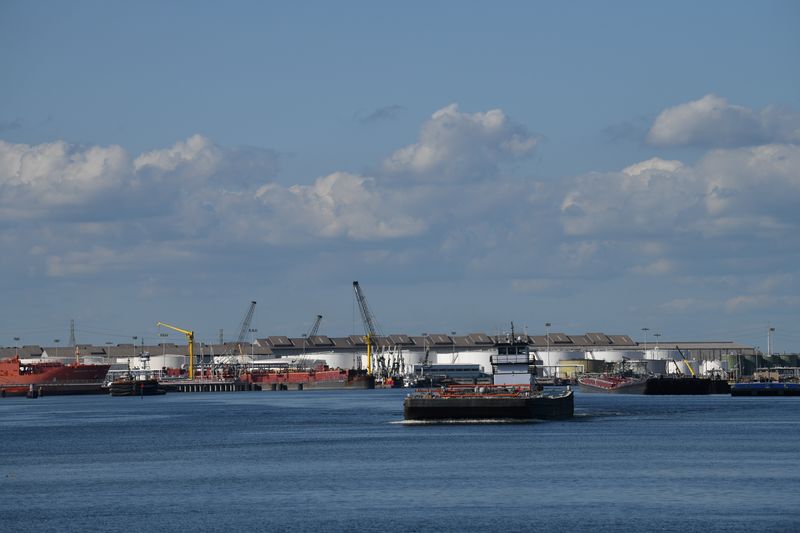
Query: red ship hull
point(614, 384)
point(17, 378)
point(311, 379)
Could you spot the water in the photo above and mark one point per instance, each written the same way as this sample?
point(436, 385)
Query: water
point(345, 461)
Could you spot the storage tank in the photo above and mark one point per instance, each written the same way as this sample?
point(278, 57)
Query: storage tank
point(662, 353)
point(656, 366)
point(468, 357)
point(615, 356)
point(343, 360)
point(552, 359)
point(571, 368)
point(714, 368)
point(682, 367)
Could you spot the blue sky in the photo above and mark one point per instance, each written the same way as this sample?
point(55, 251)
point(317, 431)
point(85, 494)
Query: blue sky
point(599, 166)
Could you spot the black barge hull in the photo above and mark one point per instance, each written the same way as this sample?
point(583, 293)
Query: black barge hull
point(686, 386)
point(488, 408)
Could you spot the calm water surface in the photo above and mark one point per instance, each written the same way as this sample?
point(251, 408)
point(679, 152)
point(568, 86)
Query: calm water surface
point(345, 461)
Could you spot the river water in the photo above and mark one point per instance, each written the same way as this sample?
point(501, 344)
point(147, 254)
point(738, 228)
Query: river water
point(345, 461)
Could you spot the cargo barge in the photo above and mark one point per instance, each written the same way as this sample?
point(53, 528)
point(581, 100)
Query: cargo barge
point(47, 378)
point(513, 394)
point(313, 379)
point(616, 384)
point(770, 388)
point(488, 402)
point(676, 385)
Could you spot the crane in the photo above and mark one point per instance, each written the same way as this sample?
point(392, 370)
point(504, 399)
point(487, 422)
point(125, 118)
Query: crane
point(315, 328)
point(370, 324)
point(245, 326)
point(688, 364)
point(190, 339)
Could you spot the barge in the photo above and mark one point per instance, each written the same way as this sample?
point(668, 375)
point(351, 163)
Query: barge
point(677, 385)
point(769, 388)
point(617, 384)
point(513, 394)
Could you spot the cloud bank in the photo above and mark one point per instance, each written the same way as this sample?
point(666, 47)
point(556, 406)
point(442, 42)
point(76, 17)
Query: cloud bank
point(446, 206)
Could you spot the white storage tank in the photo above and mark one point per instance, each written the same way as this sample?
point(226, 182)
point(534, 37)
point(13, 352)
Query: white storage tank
point(615, 356)
point(482, 358)
point(550, 359)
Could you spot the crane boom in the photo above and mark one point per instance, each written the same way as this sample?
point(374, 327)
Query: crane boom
point(370, 324)
point(315, 328)
point(190, 339)
point(688, 364)
point(246, 323)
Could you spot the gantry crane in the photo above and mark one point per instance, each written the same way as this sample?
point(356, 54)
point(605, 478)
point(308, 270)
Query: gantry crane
point(370, 324)
point(190, 339)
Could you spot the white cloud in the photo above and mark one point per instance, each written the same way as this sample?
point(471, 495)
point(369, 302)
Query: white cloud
point(744, 191)
point(34, 179)
point(460, 146)
point(712, 121)
point(648, 198)
point(336, 205)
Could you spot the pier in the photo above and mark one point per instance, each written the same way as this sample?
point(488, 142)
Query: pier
point(206, 385)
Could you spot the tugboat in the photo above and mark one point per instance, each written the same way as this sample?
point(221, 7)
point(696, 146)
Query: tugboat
point(514, 393)
point(139, 384)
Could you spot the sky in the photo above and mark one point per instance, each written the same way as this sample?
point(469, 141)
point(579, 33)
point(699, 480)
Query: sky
point(600, 166)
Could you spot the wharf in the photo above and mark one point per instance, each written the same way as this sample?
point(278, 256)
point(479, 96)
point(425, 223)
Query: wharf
point(205, 385)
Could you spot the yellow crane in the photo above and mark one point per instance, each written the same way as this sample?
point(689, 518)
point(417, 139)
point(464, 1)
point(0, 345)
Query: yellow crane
point(687, 362)
point(190, 338)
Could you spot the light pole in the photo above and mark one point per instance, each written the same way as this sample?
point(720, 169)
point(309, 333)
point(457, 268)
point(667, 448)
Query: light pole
point(657, 335)
point(16, 345)
point(56, 341)
point(109, 344)
point(770, 347)
point(547, 336)
point(645, 340)
point(252, 342)
point(453, 338)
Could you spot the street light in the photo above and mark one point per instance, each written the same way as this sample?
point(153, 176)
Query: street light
point(56, 341)
point(453, 337)
point(252, 342)
point(645, 340)
point(657, 335)
point(16, 345)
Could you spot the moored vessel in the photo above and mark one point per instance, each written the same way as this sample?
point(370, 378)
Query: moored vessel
point(619, 384)
point(129, 386)
point(309, 379)
point(50, 377)
point(682, 385)
point(768, 388)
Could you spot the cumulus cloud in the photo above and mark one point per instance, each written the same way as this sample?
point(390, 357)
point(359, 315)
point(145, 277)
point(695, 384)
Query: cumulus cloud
point(454, 145)
point(337, 205)
point(647, 198)
point(738, 191)
point(55, 175)
point(713, 122)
